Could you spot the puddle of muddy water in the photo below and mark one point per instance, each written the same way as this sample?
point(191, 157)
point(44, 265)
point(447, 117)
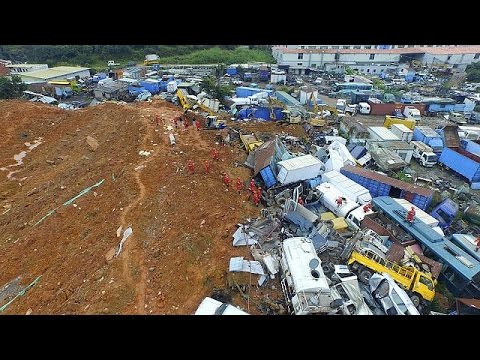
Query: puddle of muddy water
point(20, 156)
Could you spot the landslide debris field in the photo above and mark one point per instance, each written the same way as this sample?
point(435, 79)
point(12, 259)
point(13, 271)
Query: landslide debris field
point(72, 182)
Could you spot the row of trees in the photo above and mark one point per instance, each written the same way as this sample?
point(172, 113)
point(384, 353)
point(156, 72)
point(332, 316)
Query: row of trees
point(90, 55)
point(11, 88)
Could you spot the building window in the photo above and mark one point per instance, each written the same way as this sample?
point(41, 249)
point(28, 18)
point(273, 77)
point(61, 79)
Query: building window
point(314, 65)
point(477, 55)
point(300, 64)
point(429, 45)
point(410, 46)
point(312, 47)
point(372, 56)
point(401, 46)
point(335, 47)
point(302, 47)
point(368, 46)
point(300, 56)
point(368, 70)
point(356, 47)
point(374, 70)
point(323, 47)
point(346, 47)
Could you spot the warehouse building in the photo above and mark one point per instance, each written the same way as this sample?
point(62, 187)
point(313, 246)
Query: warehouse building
point(55, 73)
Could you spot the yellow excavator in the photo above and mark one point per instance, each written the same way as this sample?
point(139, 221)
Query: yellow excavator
point(183, 100)
point(316, 120)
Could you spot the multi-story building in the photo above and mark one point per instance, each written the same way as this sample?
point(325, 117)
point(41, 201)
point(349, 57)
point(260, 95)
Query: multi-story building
point(373, 59)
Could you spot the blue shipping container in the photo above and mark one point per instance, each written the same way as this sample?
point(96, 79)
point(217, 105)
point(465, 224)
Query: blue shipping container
point(461, 164)
point(470, 146)
point(268, 177)
point(153, 87)
point(232, 71)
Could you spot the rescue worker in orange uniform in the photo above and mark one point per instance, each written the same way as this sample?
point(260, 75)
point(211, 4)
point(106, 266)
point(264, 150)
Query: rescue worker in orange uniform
point(207, 166)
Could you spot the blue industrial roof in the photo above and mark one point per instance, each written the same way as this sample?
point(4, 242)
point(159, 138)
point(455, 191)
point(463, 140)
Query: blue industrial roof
point(446, 251)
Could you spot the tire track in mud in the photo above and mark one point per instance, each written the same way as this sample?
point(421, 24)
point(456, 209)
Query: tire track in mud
point(134, 253)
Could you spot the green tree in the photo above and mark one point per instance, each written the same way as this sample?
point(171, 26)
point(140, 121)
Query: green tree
point(473, 72)
point(11, 88)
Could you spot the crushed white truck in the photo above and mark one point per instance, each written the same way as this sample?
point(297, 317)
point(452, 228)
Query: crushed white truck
point(306, 287)
point(352, 211)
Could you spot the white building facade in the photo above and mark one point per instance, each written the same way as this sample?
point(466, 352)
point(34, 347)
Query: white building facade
point(370, 59)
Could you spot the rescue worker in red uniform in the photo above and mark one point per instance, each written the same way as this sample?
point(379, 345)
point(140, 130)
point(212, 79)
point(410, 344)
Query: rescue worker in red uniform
point(239, 185)
point(191, 167)
point(367, 207)
point(226, 179)
point(198, 124)
point(477, 240)
point(339, 201)
point(411, 215)
point(300, 200)
point(259, 193)
point(256, 198)
point(252, 186)
point(207, 166)
point(215, 154)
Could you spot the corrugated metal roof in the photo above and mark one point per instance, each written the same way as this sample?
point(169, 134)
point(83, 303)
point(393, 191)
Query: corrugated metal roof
point(54, 72)
point(300, 161)
point(389, 181)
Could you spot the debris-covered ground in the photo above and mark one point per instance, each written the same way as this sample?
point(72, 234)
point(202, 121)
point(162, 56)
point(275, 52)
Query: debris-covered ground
point(119, 171)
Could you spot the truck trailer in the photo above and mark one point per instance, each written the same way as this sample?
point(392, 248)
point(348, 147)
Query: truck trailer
point(348, 187)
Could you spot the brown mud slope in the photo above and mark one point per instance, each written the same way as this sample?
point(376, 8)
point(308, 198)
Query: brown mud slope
point(182, 224)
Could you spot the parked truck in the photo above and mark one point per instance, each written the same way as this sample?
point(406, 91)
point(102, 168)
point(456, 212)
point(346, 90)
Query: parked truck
point(424, 154)
point(463, 163)
point(348, 187)
point(445, 213)
point(298, 169)
point(420, 285)
point(402, 132)
point(429, 137)
point(342, 206)
point(411, 112)
point(151, 59)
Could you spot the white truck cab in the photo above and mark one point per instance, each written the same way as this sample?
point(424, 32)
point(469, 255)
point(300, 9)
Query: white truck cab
point(424, 154)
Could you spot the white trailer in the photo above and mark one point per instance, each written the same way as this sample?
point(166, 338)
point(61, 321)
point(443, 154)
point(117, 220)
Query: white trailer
point(402, 132)
point(304, 283)
point(350, 188)
point(298, 169)
point(381, 133)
